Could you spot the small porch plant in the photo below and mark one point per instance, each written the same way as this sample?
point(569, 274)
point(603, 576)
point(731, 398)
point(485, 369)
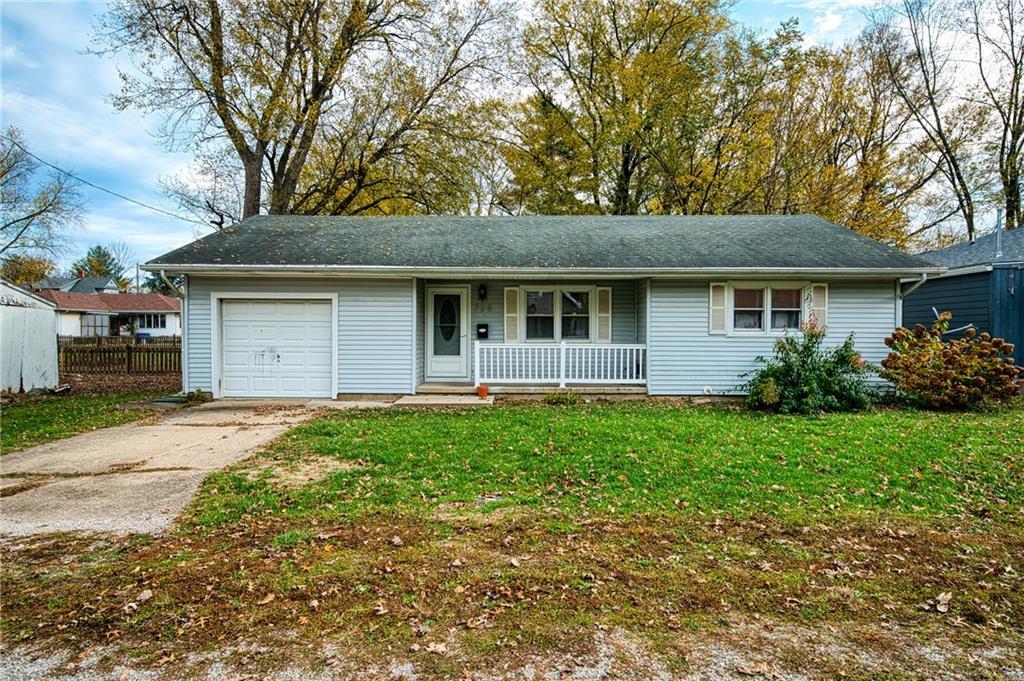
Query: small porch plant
point(950, 375)
point(805, 378)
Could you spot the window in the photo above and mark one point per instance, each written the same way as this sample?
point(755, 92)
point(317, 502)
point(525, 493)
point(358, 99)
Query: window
point(748, 309)
point(95, 325)
point(786, 306)
point(152, 321)
point(540, 315)
point(576, 315)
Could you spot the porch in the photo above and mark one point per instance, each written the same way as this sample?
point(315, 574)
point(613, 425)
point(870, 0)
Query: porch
point(523, 337)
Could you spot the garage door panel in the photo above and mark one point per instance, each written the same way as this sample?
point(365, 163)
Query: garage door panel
point(277, 348)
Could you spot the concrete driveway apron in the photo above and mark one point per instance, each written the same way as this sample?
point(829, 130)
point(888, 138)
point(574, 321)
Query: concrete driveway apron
point(134, 478)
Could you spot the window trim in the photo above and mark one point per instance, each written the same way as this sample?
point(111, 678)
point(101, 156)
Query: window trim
point(557, 303)
point(766, 329)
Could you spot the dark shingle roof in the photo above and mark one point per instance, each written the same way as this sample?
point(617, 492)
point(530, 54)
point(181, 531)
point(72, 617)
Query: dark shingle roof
point(981, 252)
point(549, 242)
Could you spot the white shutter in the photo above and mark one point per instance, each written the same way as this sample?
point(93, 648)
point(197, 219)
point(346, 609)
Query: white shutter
point(717, 308)
point(511, 314)
point(604, 314)
point(818, 308)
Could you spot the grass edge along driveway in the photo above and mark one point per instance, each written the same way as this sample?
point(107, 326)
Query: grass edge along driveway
point(32, 421)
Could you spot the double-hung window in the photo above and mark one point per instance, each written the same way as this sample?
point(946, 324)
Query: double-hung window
point(540, 315)
point(555, 314)
point(787, 308)
point(575, 315)
point(748, 309)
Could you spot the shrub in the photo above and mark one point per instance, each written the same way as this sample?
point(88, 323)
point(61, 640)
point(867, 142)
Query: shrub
point(955, 374)
point(563, 398)
point(804, 378)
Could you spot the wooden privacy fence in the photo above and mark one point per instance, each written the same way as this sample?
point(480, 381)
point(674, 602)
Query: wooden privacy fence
point(117, 341)
point(157, 358)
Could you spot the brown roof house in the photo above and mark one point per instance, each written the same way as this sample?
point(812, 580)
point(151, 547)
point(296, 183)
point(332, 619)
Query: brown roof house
point(115, 314)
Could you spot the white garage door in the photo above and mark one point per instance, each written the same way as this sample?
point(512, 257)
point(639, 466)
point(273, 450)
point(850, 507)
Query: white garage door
point(276, 348)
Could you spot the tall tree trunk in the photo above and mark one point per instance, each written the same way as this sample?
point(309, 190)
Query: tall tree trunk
point(252, 163)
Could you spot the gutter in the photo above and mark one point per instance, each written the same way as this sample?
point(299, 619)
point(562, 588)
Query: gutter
point(535, 272)
point(916, 285)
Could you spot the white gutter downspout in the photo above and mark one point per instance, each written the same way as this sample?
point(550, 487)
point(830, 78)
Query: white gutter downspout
point(913, 287)
point(163, 277)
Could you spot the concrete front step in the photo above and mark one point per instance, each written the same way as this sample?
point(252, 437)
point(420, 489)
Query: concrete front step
point(466, 389)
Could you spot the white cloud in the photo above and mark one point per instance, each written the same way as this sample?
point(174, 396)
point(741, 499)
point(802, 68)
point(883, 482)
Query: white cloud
point(827, 23)
point(58, 96)
point(12, 55)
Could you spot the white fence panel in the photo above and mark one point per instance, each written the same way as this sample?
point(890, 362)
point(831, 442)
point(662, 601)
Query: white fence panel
point(561, 364)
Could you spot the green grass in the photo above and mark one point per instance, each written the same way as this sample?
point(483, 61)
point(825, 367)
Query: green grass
point(511, 531)
point(645, 458)
point(52, 417)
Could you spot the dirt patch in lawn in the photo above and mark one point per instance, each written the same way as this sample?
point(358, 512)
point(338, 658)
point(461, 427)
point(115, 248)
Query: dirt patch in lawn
point(113, 383)
point(296, 473)
point(540, 591)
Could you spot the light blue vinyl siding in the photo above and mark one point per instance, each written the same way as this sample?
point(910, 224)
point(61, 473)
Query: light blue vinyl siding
point(683, 358)
point(492, 310)
point(375, 329)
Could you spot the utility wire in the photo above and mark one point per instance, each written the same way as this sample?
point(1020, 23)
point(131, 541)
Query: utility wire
point(103, 189)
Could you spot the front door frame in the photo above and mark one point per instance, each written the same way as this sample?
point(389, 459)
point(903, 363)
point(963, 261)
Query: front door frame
point(428, 332)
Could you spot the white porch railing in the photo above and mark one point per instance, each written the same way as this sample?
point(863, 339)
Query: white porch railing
point(561, 363)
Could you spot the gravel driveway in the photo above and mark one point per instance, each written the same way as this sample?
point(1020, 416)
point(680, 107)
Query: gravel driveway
point(133, 478)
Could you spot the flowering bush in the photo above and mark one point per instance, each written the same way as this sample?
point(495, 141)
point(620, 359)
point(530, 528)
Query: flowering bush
point(955, 374)
point(804, 378)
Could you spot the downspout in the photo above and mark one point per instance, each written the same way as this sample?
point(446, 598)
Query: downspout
point(916, 285)
point(163, 277)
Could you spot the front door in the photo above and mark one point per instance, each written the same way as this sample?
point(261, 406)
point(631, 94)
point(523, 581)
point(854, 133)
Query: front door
point(447, 333)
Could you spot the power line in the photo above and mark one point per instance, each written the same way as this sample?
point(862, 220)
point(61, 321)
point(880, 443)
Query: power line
point(103, 189)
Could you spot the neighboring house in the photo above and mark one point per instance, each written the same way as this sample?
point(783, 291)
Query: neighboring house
point(983, 287)
point(78, 285)
point(28, 345)
point(316, 306)
point(114, 314)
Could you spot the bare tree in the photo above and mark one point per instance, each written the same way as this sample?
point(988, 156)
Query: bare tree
point(919, 55)
point(997, 27)
point(35, 214)
point(256, 74)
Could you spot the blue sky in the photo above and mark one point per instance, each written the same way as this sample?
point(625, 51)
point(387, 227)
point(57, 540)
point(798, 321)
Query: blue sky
point(58, 96)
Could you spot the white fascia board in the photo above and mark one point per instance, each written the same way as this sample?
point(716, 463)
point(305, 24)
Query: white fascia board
point(534, 272)
point(958, 272)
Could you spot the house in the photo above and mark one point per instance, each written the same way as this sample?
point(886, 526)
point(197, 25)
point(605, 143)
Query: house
point(982, 287)
point(28, 345)
point(114, 314)
point(79, 285)
point(320, 306)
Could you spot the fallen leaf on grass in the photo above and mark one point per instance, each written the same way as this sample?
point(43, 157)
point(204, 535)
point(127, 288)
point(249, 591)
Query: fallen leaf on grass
point(942, 602)
point(267, 599)
point(438, 648)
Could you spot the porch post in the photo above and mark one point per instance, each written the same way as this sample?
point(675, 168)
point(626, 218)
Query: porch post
point(561, 365)
point(476, 364)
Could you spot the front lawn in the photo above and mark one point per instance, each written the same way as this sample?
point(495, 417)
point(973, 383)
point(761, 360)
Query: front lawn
point(633, 458)
point(35, 420)
point(645, 535)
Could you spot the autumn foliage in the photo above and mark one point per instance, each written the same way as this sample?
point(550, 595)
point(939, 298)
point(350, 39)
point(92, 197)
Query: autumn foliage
point(954, 374)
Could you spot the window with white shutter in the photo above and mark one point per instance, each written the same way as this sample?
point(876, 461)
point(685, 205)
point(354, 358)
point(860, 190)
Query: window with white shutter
point(818, 310)
point(604, 314)
point(512, 315)
point(717, 308)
